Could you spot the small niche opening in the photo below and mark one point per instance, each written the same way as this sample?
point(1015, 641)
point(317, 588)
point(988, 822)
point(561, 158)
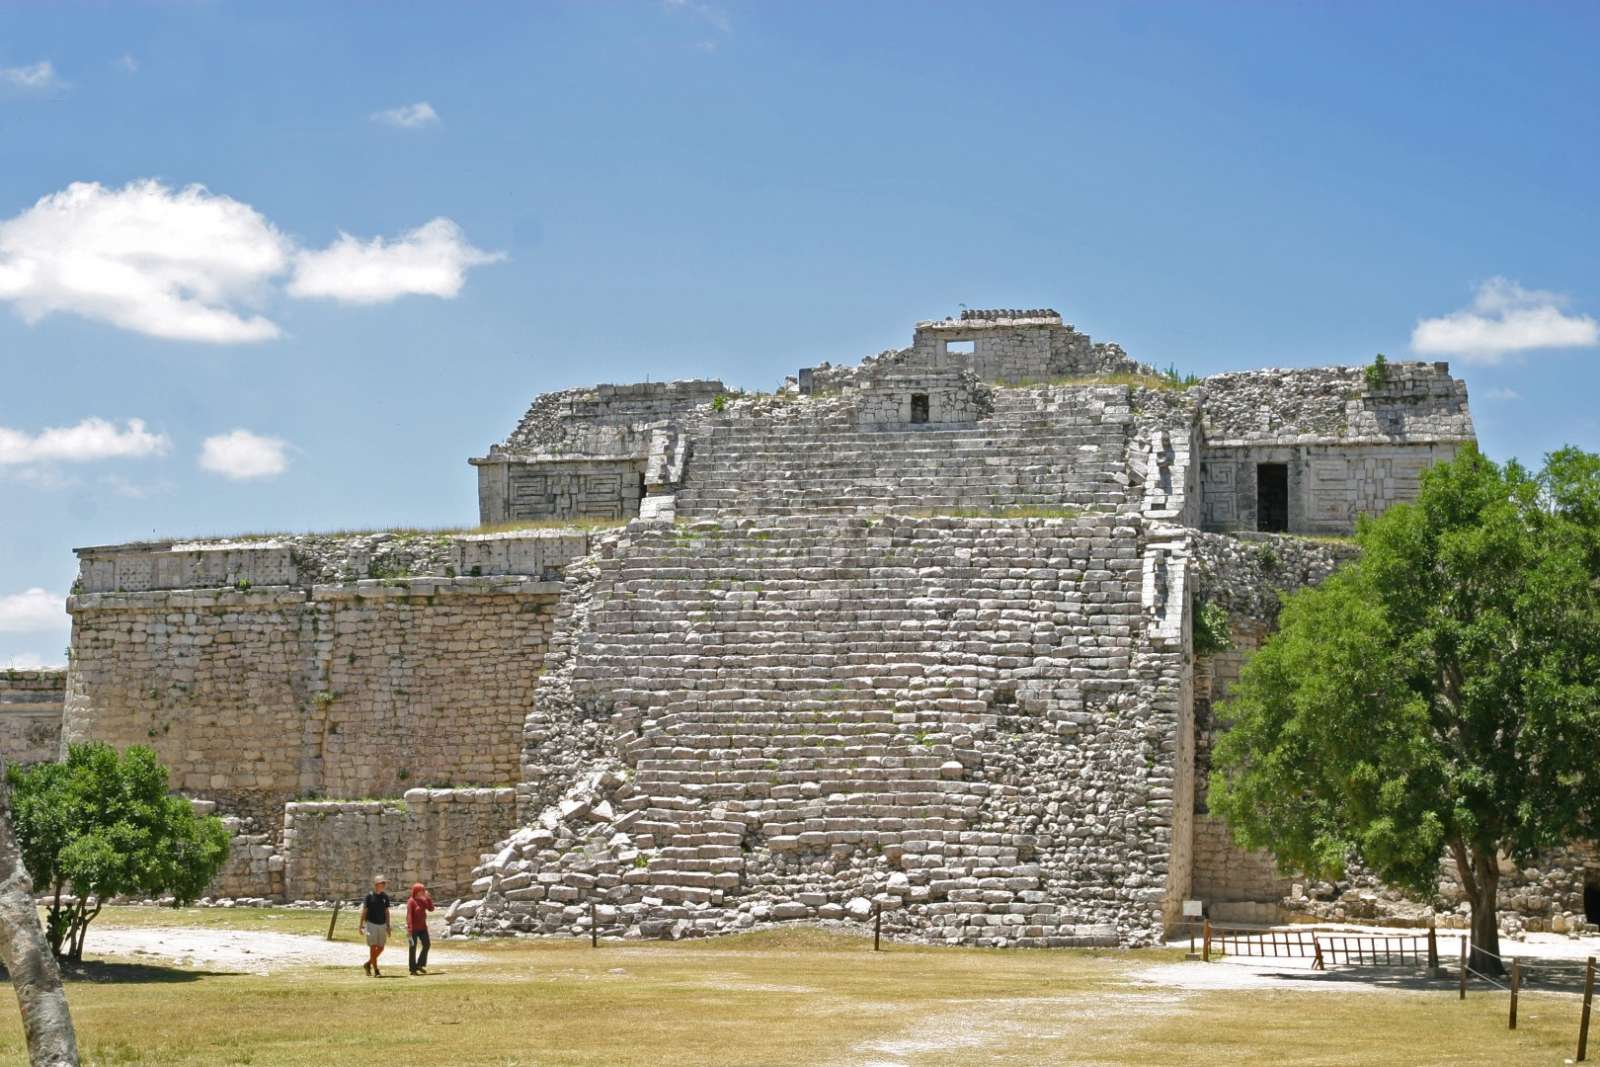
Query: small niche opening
point(1272, 497)
point(1591, 898)
point(961, 348)
point(919, 407)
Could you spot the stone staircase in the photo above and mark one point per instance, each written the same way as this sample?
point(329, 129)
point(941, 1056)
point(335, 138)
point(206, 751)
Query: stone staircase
point(812, 718)
point(1044, 446)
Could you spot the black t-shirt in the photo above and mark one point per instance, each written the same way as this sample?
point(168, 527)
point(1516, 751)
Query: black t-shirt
point(377, 906)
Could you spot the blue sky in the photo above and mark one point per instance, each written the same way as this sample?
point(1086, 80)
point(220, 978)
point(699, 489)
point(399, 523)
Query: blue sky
point(368, 290)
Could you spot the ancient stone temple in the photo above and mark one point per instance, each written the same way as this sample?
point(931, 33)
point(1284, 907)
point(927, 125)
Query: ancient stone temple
point(915, 633)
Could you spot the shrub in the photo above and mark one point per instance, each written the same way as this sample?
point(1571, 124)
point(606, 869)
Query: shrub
point(1377, 373)
point(1210, 628)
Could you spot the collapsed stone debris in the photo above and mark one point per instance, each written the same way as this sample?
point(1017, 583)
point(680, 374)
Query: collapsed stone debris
point(914, 635)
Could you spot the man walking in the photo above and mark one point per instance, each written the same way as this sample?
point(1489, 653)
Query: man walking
point(417, 909)
point(375, 924)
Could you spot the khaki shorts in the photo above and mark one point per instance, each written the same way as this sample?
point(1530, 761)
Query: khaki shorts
point(377, 935)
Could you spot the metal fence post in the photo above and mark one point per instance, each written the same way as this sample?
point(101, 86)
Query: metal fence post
point(1463, 968)
point(594, 926)
point(877, 925)
point(1206, 943)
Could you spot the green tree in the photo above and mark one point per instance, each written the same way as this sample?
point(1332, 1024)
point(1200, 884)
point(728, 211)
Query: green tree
point(1435, 697)
point(101, 825)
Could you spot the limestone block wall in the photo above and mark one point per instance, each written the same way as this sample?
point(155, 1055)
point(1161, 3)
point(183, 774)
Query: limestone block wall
point(948, 398)
point(332, 850)
point(218, 681)
point(422, 682)
point(1019, 346)
point(255, 697)
point(255, 866)
point(30, 715)
point(1226, 874)
point(583, 453)
point(1330, 485)
point(981, 723)
point(1415, 402)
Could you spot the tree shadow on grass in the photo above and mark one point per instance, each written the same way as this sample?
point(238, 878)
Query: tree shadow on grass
point(116, 973)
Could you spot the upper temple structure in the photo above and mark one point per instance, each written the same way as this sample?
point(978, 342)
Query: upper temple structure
point(916, 633)
point(993, 409)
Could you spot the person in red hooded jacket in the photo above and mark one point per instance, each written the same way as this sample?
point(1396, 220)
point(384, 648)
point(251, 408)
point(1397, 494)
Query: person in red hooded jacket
point(417, 909)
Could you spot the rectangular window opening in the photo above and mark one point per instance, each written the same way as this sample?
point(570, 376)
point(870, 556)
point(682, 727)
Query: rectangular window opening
point(1272, 497)
point(1591, 899)
point(919, 407)
point(961, 348)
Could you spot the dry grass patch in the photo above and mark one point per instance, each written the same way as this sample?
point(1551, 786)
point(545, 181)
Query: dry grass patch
point(795, 996)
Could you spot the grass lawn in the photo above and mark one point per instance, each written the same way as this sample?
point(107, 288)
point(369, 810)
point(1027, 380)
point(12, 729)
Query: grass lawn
point(790, 997)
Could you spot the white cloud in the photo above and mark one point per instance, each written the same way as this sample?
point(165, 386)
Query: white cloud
point(32, 610)
point(1504, 392)
point(127, 63)
point(242, 455)
point(191, 265)
point(431, 260)
point(171, 264)
point(35, 78)
point(90, 440)
point(26, 661)
point(1505, 319)
point(409, 117)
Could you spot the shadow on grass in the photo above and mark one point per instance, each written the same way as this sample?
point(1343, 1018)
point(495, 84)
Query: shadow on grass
point(1538, 974)
point(109, 973)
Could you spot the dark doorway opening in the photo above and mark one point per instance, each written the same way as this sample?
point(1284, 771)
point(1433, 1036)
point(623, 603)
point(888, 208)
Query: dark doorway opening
point(919, 407)
point(1272, 497)
point(1591, 901)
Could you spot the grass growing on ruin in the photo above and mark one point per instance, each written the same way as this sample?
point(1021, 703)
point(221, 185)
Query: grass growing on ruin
point(789, 997)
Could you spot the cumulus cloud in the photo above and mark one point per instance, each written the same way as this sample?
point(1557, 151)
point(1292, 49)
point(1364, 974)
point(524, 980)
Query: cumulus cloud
point(89, 440)
point(169, 263)
point(191, 265)
point(32, 610)
point(242, 455)
point(1505, 319)
point(409, 117)
point(34, 78)
point(431, 260)
point(127, 63)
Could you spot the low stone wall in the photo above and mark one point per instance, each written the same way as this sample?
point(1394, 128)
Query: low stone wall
point(332, 849)
point(30, 714)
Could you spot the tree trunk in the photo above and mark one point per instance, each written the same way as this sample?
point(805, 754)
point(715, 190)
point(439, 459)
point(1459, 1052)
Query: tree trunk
point(27, 956)
point(1485, 896)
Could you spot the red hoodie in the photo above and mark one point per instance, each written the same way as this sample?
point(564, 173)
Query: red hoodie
point(417, 909)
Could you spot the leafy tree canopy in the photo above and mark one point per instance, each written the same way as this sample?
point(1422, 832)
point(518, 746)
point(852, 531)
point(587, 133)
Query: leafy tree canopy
point(101, 825)
point(1438, 696)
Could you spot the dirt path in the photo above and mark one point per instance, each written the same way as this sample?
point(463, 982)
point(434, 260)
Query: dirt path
point(246, 952)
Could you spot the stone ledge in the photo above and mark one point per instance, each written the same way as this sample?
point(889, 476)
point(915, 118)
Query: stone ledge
point(285, 596)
